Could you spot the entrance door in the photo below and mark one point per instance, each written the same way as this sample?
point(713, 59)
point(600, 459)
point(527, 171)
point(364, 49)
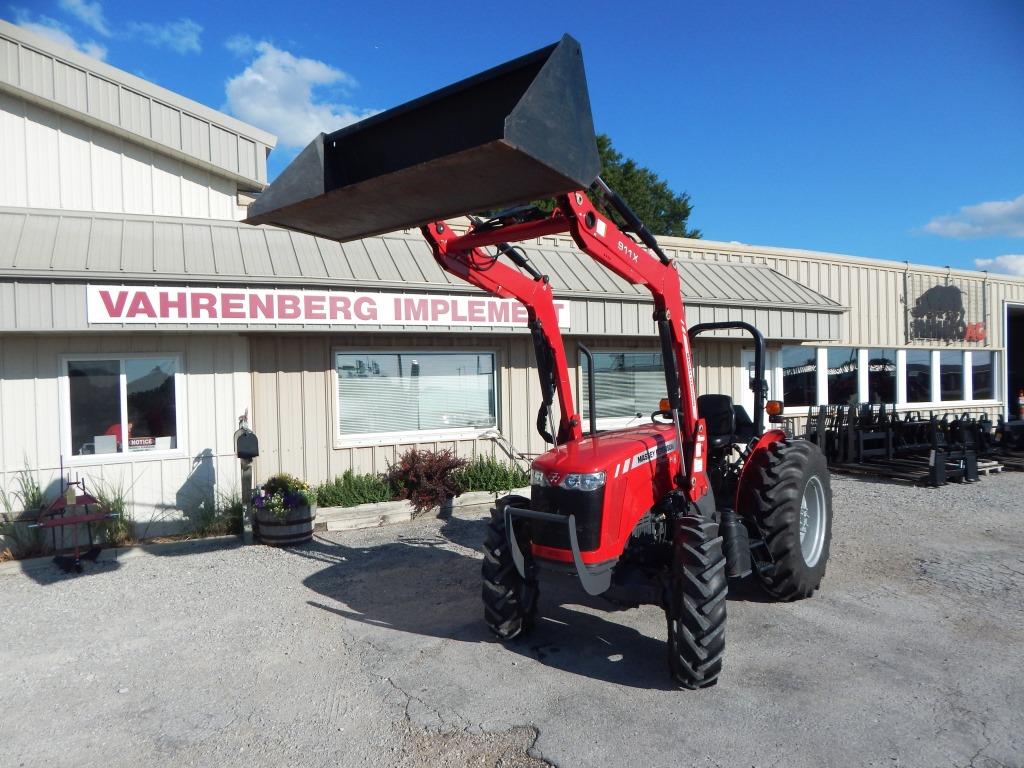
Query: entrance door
point(1014, 343)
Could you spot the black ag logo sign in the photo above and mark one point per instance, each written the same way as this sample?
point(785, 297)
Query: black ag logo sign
point(939, 313)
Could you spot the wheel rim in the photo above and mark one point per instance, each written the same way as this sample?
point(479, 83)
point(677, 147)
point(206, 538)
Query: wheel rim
point(812, 521)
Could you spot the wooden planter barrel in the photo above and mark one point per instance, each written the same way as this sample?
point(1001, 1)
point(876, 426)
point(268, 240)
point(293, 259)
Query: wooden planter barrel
point(295, 528)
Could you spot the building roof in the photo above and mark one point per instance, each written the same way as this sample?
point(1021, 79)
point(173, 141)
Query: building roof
point(87, 246)
point(85, 88)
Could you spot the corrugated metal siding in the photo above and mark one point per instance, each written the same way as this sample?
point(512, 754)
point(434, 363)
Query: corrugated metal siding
point(56, 162)
point(873, 289)
point(125, 103)
point(216, 391)
point(295, 405)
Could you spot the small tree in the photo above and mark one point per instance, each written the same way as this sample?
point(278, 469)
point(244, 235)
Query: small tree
point(662, 210)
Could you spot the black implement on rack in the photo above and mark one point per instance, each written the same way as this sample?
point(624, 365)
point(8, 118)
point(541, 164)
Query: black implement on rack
point(875, 440)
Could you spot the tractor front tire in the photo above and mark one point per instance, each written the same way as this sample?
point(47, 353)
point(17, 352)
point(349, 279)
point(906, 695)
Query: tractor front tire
point(790, 497)
point(510, 601)
point(696, 604)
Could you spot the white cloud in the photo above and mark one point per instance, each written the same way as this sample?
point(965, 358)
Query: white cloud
point(57, 32)
point(1013, 263)
point(90, 14)
point(181, 36)
point(998, 218)
point(277, 92)
point(240, 45)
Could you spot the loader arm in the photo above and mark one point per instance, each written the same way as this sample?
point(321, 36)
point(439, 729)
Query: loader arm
point(479, 268)
point(601, 239)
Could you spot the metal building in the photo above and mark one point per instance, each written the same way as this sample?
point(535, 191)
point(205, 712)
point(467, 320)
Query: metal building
point(139, 319)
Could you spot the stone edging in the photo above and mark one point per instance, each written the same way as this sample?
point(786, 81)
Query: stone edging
point(385, 509)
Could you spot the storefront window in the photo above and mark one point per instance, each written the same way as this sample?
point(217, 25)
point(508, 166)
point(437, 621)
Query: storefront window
point(625, 384)
point(842, 376)
point(415, 391)
point(919, 376)
point(983, 375)
point(882, 376)
point(152, 412)
point(951, 375)
point(98, 388)
point(799, 375)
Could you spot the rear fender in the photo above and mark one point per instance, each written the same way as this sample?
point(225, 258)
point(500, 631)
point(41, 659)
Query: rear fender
point(766, 441)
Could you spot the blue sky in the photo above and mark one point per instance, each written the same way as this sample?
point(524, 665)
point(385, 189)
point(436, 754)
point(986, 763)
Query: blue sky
point(891, 130)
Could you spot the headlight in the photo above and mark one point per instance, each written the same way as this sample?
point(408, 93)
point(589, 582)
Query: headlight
point(588, 482)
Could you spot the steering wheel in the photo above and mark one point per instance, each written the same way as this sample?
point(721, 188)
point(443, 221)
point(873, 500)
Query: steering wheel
point(663, 414)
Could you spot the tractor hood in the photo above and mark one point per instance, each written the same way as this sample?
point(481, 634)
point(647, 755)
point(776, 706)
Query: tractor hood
point(612, 452)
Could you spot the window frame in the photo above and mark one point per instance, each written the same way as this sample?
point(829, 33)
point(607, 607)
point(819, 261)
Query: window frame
point(121, 457)
point(373, 439)
point(820, 377)
point(612, 422)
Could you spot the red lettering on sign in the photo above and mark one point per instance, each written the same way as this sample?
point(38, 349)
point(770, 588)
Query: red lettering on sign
point(457, 316)
point(415, 309)
point(141, 305)
point(179, 304)
point(438, 307)
point(288, 307)
point(476, 310)
point(519, 313)
point(365, 308)
point(497, 312)
point(114, 309)
point(339, 308)
point(261, 306)
point(204, 302)
point(232, 306)
point(314, 306)
point(975, 332)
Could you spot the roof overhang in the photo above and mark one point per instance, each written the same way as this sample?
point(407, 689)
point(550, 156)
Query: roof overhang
point(87, 247)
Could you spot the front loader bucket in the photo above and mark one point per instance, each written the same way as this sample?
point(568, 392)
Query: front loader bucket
point(515, 133)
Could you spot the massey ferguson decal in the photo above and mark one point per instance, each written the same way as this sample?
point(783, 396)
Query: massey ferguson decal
point(203, 306)
point(645, 457)
point(943, 312)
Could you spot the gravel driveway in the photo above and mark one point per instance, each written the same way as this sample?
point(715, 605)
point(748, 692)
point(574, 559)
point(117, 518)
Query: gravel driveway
point(367, 649)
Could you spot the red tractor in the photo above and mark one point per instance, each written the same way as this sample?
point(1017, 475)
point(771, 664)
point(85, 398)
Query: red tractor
point(660, 514)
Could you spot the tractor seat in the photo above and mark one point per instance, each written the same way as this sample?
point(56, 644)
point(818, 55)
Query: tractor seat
point(744, 425)
point(720, 418)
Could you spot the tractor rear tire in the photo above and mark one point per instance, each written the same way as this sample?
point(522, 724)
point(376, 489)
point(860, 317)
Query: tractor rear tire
point(696, 604)
point(510, 601)
point(790, 497)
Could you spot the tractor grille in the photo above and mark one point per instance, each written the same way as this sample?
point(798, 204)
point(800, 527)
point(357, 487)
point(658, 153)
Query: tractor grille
point(586, 505)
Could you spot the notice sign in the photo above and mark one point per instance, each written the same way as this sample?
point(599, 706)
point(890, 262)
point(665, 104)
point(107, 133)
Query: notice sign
point(141, 442)
point(274, 307)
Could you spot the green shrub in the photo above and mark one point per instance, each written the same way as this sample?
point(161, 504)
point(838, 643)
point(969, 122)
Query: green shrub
point(223, 517)
point(351, 489)
point(119, 529)
point(487, 473)
point(425, 478)
point(18, 540)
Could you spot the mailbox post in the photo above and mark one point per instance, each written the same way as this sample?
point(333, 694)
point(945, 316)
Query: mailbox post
point(247, 448)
